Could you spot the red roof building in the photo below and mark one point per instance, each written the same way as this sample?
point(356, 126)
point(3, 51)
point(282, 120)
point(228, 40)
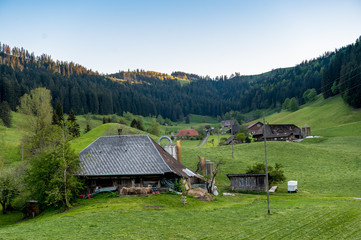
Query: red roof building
point(187, 133)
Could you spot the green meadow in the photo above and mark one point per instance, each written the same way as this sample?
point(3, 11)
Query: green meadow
point(328, 171)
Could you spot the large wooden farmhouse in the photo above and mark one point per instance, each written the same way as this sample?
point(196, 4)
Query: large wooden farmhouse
point(278, 132)
point(129, 160)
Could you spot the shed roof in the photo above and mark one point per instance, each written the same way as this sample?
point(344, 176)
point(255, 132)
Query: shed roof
point(128, 155)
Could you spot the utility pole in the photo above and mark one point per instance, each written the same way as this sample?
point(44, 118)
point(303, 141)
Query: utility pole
point(231, 136)
point(265, 156)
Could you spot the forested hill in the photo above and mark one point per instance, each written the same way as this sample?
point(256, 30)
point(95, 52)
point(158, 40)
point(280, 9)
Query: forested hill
point(151, 93)
point(343, 76)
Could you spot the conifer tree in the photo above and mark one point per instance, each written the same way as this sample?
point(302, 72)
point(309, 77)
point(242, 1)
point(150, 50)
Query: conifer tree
point(74, 128)
point(5, 114)
point(88, 128)
point(58, 116)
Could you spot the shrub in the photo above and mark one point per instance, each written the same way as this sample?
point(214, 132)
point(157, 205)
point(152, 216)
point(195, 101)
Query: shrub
point(276, 174)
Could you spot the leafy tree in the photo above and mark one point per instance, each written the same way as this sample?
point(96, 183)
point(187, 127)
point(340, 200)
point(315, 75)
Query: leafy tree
point(276, 174)
point(154, 129)
point(58, 115)
point(309, 95)
point(5, 114)
point(160, 119)
point(241, 137)
point(74, 128)
point(286, 104)
point(122, 121)
point(51, 176)
point(9, 187)
point(38, 108)
point(293, 106)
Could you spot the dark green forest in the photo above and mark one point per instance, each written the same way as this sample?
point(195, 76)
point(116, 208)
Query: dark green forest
point(179, 94)
point(343, 76)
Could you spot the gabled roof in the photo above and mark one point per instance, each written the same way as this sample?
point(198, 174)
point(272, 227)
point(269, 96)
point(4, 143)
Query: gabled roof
point(128, 155)
point(187, 132)
point(251, 125)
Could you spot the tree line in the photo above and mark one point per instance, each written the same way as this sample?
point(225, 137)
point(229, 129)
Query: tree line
point(343, 75)
point(150, 93)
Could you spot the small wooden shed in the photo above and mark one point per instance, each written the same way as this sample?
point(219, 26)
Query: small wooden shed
point(247, 182)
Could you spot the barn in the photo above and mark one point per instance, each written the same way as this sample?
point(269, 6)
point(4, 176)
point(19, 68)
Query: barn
point(130, 161)
point(278, 132)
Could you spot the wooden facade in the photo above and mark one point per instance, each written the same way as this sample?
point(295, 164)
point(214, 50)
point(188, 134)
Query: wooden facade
point(247, 182)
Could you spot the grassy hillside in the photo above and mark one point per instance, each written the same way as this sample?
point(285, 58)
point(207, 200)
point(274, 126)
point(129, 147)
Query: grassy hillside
point(320, 115)
point(327, 169)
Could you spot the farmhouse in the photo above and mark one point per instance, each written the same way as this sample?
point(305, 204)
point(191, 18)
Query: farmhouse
point(247, 182)
point(183, 133)
point(130, 161)
point(278, 132)
point(253, 128)
point(229, 123)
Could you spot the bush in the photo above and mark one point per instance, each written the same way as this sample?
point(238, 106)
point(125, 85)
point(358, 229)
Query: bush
point(276, 174)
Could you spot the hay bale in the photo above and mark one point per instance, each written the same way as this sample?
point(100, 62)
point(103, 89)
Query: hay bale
point(200, 194)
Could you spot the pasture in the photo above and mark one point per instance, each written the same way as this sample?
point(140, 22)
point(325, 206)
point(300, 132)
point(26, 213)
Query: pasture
point(327, 169)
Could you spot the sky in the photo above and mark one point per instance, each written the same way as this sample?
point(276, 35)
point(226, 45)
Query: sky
point(204, 37)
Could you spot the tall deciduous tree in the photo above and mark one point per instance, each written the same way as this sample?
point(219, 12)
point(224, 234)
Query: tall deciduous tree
point(38, 108)
point(154, 129)
point(51, 176)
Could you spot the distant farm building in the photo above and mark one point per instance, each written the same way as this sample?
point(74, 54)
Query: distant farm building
point(253, 128)
point(229, 123)
point(183, 133)
point(278, 132)
point(247, 182)
point(130, 161)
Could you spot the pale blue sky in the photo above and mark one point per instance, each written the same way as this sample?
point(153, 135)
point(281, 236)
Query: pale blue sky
point(202, 37)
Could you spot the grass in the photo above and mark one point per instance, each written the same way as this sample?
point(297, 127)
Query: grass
point(327, 169)
point(164, 216)
point(320, 115)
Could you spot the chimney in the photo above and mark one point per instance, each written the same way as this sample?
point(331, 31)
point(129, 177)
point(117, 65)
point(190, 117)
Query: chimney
point(179, 151)
point(120, 131)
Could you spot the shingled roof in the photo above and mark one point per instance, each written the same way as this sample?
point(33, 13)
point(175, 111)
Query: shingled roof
point(128, 155)
point(187, 132)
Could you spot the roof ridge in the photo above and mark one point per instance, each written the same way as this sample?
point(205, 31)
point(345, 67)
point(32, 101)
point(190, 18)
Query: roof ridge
point(110, 137)
point(89, 145)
